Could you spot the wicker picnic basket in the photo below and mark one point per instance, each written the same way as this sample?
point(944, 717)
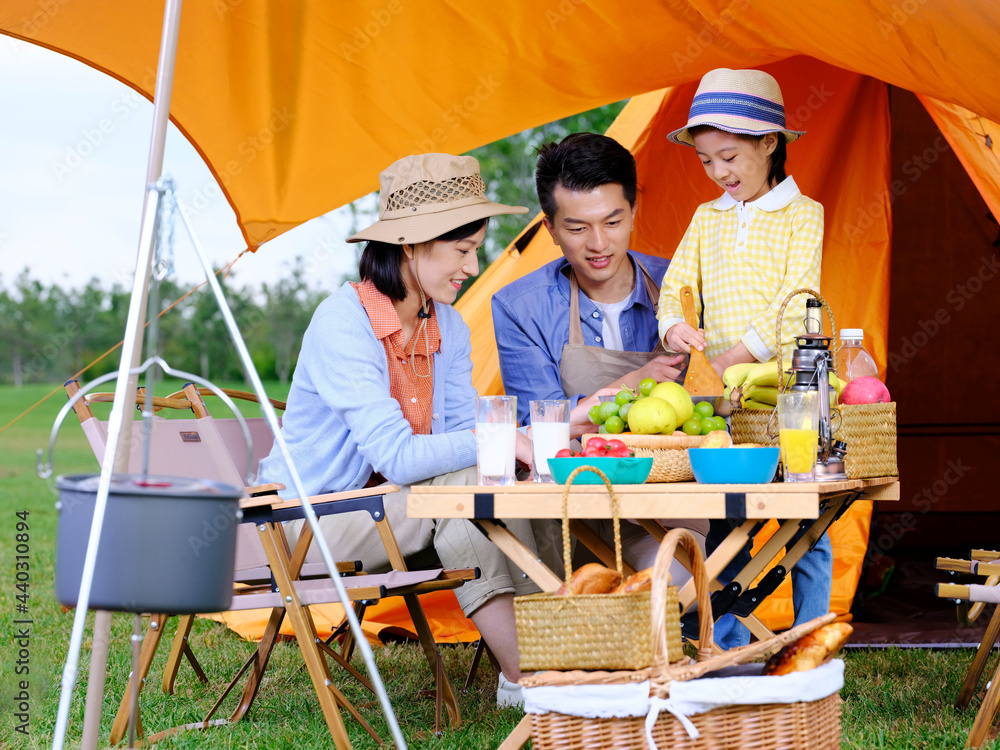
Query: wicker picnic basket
point(811, 725)
point(669, 453)
point(592, 631)
point(869, 430)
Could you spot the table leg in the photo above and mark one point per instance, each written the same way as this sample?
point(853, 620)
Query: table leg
point(515, 549)
point(518, 736)
point(586, 536)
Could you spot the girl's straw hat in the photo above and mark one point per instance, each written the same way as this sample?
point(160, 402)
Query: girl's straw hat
point(428, 195)
point(737, 101)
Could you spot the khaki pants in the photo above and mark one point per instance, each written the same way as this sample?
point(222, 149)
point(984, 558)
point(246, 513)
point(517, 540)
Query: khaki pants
point(455, 542)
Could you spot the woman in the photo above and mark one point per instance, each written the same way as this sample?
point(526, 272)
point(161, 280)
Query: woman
point(382, 391)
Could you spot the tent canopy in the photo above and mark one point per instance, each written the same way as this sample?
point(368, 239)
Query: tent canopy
point(296, 107)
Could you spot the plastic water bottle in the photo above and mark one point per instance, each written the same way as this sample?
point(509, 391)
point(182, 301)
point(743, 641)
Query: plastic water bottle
point(853, 360)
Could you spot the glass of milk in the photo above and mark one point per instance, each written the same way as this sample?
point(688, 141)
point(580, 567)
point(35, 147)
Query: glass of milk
point(549, 434)
point(496, 426)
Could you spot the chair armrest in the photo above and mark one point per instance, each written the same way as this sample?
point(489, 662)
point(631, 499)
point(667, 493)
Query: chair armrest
point(334, 497)
point(265, 489)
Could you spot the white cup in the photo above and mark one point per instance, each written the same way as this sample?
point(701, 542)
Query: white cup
point(549, 434)
point(496, 429)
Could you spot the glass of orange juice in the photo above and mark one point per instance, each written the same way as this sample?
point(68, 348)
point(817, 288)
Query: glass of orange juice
point(798, 434)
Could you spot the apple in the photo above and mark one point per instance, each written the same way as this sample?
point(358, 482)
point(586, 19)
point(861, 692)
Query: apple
point(866, 390)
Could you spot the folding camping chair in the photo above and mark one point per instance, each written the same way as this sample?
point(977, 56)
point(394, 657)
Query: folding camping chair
point(982, 563)
point(210, 448)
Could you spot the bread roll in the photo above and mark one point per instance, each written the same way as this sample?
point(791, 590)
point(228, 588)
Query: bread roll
point(810, 650)
point(641, 581)
point(716, 439)
point(592, 578)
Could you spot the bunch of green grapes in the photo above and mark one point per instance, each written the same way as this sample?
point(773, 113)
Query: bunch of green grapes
point(704, 420)
point(611, 416)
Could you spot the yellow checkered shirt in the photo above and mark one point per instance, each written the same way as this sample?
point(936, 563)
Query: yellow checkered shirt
point(744, 259)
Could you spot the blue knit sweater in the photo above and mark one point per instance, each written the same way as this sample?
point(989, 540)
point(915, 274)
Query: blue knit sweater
point(342, 424)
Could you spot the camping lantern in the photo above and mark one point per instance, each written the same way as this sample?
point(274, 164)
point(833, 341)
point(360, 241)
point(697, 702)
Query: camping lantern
point(168, 544)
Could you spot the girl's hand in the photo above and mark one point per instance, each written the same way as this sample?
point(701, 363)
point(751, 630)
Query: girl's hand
point(681, 337)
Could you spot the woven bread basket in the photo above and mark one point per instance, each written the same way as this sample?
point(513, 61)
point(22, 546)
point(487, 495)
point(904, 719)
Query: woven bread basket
point(669, 453)
point(592, 631)
point(797, 726)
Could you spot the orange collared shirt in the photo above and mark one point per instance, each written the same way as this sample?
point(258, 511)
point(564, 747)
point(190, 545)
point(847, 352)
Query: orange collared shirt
point(414, 393)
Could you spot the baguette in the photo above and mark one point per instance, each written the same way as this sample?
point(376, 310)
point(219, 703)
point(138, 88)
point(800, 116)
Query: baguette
point(641, 581)
point(810, 650)
point(592, 578)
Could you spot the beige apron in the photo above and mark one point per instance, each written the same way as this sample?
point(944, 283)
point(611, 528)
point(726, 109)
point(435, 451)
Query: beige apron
point(586, 369)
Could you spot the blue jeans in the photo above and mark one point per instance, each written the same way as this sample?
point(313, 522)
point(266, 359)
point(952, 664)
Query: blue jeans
point(812, 580)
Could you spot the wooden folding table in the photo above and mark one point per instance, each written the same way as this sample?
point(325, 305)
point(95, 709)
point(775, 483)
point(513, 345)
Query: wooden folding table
point(748, 507)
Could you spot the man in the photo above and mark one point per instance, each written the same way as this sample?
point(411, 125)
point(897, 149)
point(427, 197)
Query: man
point(587, 321)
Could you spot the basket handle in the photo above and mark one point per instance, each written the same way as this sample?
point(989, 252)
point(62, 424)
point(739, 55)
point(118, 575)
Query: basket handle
point(658, 597)
point(777, 339)
point(567, 562)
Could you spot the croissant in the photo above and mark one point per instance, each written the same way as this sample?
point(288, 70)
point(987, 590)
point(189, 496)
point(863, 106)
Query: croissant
point(810, 650)
point(592, 578)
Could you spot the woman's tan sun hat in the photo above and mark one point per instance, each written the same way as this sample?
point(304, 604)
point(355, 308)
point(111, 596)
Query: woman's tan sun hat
point(737, 101)
point(427, 195)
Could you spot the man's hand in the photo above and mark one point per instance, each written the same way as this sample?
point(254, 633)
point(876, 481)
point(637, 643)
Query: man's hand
point(681, 337)
point(739, 353)
point(659, 369)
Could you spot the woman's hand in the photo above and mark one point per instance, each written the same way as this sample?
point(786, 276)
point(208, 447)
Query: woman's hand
point(682, 337)
point(522, 449)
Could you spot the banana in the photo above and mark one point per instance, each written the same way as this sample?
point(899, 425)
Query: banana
point(751, 404)
point(734, 375)
point(762, 373)
point(762, 394)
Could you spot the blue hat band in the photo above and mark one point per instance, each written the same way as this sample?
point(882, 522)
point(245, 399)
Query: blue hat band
point(738, 105)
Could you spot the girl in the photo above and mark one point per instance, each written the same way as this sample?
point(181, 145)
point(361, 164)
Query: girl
point(744, 252)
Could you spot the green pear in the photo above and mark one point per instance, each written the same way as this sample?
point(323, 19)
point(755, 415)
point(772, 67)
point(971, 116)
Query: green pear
point(675, 395)
point(652, 416)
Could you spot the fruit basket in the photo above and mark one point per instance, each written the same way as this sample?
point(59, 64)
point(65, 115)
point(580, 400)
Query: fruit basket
point(669, 454)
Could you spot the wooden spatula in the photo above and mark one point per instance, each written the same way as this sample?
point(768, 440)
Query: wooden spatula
point(701, 378)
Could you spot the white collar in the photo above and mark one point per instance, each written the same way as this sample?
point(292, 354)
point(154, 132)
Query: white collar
point(773, 200)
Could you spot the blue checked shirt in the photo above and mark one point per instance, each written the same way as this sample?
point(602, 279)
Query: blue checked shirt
point(531, 325)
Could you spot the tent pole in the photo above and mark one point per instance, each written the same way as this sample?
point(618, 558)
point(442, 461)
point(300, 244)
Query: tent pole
point(126, 387)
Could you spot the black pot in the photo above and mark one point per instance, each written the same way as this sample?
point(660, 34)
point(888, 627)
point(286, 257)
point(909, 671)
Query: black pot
point(168, 544)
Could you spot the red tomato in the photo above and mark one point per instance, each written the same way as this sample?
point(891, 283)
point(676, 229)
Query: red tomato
point(564, 453)
point(591, 452)
point(622, 453)
point(596, 442)
point(616, 445)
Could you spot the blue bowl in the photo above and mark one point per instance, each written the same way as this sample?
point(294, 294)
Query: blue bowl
point(734, 465)
point(618, 470)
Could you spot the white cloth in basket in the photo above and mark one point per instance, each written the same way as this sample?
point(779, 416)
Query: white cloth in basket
point(589, 701)
point(743, 685)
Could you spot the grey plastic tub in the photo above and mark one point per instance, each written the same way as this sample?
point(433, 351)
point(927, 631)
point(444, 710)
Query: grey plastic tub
point(168, 544)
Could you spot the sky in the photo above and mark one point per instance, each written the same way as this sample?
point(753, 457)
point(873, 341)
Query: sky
point(74, 144)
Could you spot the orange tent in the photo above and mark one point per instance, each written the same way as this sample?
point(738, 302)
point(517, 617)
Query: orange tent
point(296, 107)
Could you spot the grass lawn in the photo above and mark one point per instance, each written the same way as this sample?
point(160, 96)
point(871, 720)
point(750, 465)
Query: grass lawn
point(893, 698)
